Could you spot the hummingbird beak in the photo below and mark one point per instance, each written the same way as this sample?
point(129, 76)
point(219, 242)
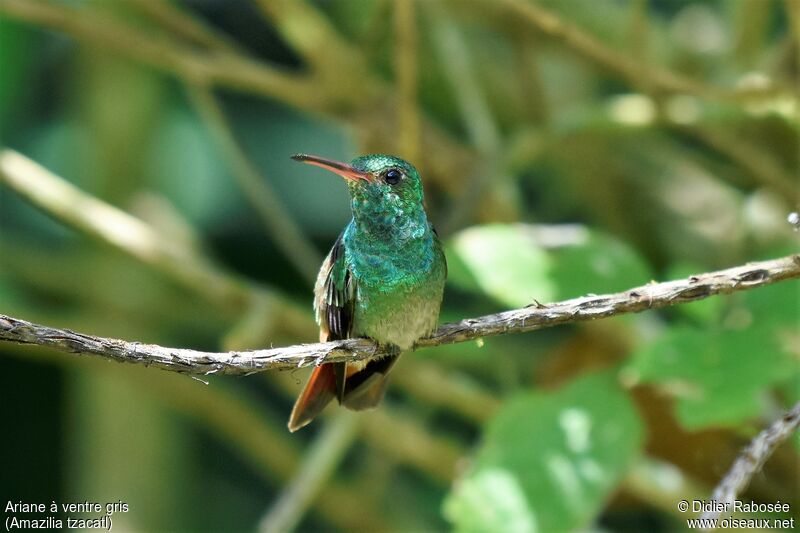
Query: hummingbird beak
point(346, 171)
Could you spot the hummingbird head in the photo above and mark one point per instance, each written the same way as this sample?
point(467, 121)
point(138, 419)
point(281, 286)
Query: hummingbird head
point(385, 192)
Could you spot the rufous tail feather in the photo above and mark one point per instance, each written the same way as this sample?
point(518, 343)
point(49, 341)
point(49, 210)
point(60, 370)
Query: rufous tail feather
point(355, 389)
point(318, 392)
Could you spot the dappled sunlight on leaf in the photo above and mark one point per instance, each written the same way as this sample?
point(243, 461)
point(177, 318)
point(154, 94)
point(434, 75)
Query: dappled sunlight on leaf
point(556, 456)
point(517, 264)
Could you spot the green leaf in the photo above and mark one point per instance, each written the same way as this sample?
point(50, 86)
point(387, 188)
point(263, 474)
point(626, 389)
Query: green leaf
point(510, 264)
point(776, 306)
point(503, 262)
point(722, 376)
point(549, 460)
point(718, 378)
point(598, 264)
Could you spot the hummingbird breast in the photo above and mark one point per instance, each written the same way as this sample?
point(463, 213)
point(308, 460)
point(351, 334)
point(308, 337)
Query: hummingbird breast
point(398, 289)
point(398, 317)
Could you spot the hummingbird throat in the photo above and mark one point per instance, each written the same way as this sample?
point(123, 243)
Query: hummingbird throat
point(385, 216)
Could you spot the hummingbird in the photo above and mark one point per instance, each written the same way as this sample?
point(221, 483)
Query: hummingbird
point(383, 279)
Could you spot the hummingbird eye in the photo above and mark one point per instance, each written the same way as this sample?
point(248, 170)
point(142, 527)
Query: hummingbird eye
point(392, 176)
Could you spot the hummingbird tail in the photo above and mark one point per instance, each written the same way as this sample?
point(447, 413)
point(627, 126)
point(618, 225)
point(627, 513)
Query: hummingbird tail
point(365, 388)
point(357, 388)
point(320, 389)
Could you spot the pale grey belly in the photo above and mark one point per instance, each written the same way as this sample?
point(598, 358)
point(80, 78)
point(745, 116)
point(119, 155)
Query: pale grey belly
point(398, 319)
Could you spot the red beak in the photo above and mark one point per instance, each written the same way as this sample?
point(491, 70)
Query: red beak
point(343, 169)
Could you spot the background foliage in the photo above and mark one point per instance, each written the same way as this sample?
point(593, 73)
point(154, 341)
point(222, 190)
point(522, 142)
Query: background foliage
point(568, 147)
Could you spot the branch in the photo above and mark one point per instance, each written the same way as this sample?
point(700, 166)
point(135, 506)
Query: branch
point(93, 217)
point(181, 262)
point(530, 318)
point(751, 460)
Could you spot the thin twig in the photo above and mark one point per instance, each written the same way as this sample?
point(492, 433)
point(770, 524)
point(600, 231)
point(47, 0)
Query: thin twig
point(319, 463)
point(630, 69)
point(750, 461)
point(457, 65)
point(531, 318)
point(340, 85)
point(95, 218)
point(177, 21)
point(315, 39)
point(406, 74)
point(759, 163)
point(164, 53)
point(278, 222)
point(183, 264)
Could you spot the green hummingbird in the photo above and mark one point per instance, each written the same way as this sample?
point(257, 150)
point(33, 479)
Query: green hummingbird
point(383, 279)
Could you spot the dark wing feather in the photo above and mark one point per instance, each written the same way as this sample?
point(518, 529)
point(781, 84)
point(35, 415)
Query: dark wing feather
point(334, 295)
point(355, 386)
point(334, 304)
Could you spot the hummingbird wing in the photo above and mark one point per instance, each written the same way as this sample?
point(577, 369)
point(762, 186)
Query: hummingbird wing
point(365, 387)
point(335, 295)
point(334, 305)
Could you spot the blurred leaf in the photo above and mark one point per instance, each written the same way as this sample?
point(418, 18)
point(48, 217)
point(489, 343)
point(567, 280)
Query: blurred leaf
point(776, 306)
point(549, 460)
point(717, 377)
point(508, 263)
point(504, 262)
point(17, 48)
point(183, 163)
point(598, 265)
point(721, 376)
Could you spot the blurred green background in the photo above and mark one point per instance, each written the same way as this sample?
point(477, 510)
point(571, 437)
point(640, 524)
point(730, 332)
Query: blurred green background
point(567, 147)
